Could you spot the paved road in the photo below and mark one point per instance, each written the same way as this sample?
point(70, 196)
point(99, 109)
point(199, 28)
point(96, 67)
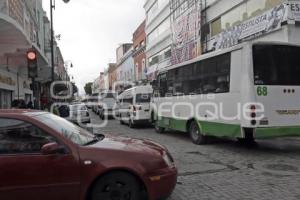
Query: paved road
point(225, 169)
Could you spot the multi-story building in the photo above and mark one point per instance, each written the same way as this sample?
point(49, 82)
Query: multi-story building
point(125, 67)
point(159, 37)
point(220, 24)
point(126, 70)
point(231, 23)
point(23, 25)
point(106, 79)
point(139, 55)
point(96, 86)
point(112, 75)
point(185, 29)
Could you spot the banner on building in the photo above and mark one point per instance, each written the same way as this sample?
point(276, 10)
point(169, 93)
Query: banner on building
point(252, 28)
point(294, 10)
point(185, 26)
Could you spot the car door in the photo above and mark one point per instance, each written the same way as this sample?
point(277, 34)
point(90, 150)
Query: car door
point(26, 173)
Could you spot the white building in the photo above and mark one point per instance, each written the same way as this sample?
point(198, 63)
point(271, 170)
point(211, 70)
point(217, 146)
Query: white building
point(21, 28)
point(158, 31)
point(226, 20)
point(24, 25)
point(179, 30)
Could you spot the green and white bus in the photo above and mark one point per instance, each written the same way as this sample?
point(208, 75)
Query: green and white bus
point(248, 91)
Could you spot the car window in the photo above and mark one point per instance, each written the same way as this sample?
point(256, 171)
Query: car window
point(19, 137)
point(78, 107)
point(67, 129)
point(143, 98)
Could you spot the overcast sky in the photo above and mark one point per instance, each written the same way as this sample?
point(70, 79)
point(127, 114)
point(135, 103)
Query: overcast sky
point(91, 30)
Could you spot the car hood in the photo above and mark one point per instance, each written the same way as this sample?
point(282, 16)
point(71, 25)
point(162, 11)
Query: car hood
point(130, 145)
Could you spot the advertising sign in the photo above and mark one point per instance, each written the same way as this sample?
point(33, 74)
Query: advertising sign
point(252, 28)
point(185, 32)
point(295, 10)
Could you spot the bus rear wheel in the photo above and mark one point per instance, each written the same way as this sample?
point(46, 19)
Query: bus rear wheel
point(196, 135)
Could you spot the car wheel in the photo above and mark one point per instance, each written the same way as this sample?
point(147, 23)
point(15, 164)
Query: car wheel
point(157, 128)
point(121, 122)
point(196, 135)
point(116, 185)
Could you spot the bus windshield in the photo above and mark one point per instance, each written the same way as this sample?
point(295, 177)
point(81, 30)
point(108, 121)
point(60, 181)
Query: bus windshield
point(276, 65)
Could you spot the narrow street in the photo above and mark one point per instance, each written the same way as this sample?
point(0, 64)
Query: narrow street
point(225, 169)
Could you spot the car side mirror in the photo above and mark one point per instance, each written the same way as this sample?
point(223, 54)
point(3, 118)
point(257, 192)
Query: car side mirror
point(52, 148)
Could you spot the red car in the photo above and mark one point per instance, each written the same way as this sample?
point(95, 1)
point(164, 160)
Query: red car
point(45, 157)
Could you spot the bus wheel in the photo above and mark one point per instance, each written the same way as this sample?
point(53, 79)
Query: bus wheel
point(196, 135)
point(158, 129)
point(249, 137)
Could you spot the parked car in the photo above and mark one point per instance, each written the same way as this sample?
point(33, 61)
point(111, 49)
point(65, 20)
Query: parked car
point(79, 114)
point(43, 156)
point(134, 105)
point(107, 104)
point(94, 99)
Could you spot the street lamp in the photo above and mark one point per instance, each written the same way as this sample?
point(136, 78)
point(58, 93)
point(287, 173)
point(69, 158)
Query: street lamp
point(52, 7)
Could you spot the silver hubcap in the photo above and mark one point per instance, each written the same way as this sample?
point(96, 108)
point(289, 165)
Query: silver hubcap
point(195, 132)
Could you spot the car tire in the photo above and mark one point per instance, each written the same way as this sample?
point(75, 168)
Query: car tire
point(195, 134)
point(121, 122)
point(157, 128)
point(117, 185)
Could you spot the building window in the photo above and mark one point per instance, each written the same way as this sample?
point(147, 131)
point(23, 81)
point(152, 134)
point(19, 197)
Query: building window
point(160, 57)
point(160, 30)
point(216, 27)
point(156, 8)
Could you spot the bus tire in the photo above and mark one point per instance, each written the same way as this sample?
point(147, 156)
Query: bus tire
point(195, 134)
point(157, 128)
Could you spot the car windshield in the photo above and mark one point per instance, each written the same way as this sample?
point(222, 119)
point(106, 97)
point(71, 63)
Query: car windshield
point(108, 95)
point(77, 107)
point(143, 98)
point(69, 130)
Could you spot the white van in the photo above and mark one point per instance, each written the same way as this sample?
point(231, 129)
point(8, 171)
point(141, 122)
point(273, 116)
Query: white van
point(107, 104)
point(134, 105)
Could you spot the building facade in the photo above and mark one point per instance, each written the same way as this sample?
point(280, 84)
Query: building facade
point(139, 55)
point(159, 37)
point(23, 25)
point(125, 67)
point(112, 75)
point(181, 30)
point(231, 23)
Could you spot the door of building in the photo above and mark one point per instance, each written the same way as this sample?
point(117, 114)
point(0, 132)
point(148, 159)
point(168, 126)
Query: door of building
point(5, 99)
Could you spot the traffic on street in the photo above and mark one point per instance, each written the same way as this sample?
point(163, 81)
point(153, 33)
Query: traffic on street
point(150, 100)
point(224, 169)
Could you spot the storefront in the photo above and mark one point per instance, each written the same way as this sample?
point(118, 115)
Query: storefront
point(5, 99)
point(7, 89)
